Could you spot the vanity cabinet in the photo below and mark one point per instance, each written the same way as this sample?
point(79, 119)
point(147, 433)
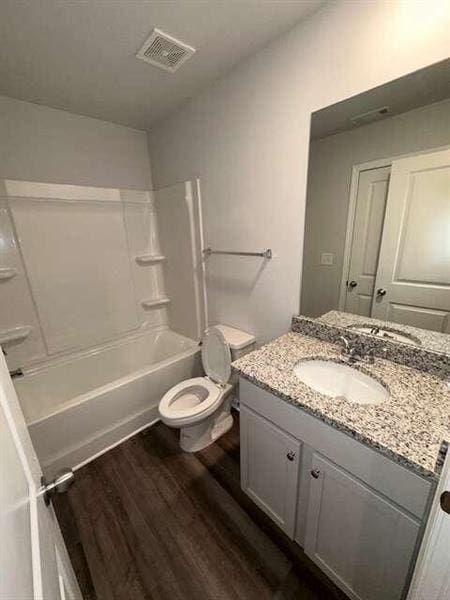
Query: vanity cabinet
point(357, 514)
point(270, 460)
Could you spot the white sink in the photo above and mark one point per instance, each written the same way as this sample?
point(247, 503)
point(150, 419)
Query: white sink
point(340, 381)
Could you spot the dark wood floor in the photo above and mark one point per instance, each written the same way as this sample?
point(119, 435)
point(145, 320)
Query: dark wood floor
point(147, 520)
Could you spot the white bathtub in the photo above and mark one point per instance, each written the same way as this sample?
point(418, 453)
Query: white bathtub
point(78, 407)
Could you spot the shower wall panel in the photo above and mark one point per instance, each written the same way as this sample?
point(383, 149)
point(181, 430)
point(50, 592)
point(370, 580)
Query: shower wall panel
point(76, 284)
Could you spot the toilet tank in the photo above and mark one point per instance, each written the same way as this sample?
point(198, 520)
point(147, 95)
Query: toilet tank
point(240, 342)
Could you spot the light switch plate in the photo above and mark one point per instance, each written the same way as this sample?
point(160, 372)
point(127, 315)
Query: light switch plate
point(326, 258)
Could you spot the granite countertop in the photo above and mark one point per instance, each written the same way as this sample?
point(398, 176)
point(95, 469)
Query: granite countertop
point(427, 339)
point(410, 428)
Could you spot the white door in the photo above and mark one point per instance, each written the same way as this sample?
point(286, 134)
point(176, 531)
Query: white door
point(33, 559)
point(413, 279)
point(270, 460)
point(366, 239)
point(362, 541)
point(431, 579)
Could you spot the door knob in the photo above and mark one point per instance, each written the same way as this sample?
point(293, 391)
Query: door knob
point(59, 485)
point(315, 473)
point(445, 502)
point(290, 455)
point(381, 292)
point(352, 284)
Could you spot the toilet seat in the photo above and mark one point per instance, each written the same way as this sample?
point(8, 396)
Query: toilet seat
point(193, 400)
point(189, 400)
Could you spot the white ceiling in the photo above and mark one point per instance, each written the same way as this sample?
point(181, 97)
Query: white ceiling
point(80, 55)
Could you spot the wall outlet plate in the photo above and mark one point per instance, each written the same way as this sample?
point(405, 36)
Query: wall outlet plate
point(327, 258)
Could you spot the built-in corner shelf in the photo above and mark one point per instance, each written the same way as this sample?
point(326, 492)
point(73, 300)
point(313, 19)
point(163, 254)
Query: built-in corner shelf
point(155, 302)
point(15, 334)
point(7, 273)
point(149, 259)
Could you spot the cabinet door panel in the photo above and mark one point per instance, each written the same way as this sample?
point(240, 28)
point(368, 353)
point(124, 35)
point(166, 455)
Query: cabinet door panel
point(362, 541)
point(270, 461)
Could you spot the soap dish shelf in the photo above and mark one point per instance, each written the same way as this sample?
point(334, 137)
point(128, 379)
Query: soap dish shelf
point(149, 259)
point(7, 273)
point(151, 303)
point(15, 334)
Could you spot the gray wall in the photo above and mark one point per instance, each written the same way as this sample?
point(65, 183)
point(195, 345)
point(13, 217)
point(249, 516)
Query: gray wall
point(329, 178)
point(38, 143)
point(247, 137)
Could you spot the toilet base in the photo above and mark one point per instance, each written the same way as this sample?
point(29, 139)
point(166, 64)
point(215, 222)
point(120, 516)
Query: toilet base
point(201, 435)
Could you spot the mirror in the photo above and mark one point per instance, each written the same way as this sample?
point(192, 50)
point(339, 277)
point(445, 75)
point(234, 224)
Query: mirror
point(377, 224)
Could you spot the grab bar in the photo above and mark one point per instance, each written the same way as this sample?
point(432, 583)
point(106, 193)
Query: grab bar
point(264, 254)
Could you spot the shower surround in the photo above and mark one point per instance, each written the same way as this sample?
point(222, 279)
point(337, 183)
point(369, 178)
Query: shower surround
point(90, 292)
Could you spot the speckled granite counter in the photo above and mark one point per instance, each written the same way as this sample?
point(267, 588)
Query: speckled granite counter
point(429, 340)
point(409, 428)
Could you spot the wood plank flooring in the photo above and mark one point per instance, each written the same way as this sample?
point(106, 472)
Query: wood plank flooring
point(148, 521)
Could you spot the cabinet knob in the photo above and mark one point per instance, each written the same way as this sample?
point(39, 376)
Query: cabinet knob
point(381, 292)
point(315, 473)
point(352, 284)
point(445, 502)
point(290, 455)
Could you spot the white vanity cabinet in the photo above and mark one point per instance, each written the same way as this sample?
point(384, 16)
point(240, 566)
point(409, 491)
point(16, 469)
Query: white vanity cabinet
point(357, 513)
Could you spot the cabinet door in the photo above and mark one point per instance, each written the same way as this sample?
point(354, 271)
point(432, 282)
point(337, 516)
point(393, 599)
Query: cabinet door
point(358, 538)
point(270, 460)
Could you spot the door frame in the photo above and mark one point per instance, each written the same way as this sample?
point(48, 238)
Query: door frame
point(356, 170)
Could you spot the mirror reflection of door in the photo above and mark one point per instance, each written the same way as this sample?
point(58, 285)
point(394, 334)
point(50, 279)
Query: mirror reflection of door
point(400, 255)
point(414, 262)
point(371, 197)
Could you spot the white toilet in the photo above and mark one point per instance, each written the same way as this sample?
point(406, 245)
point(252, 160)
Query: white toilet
point(200, 407)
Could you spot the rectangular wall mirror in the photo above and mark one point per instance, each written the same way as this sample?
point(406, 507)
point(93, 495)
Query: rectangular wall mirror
point(377, 227)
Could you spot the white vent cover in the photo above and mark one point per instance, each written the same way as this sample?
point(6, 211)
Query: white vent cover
point(372, 115)
point(164, 51)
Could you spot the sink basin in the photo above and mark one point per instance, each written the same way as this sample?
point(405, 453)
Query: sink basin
point(340, 381)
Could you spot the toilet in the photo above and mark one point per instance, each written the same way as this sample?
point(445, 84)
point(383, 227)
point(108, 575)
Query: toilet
point(201, 407)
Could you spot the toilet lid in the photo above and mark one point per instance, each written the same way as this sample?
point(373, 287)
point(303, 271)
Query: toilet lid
point(216, 356)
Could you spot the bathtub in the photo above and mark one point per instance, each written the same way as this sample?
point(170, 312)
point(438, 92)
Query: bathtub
point(76, 408)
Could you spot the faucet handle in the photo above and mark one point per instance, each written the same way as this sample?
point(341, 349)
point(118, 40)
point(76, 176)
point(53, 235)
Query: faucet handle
point(346, 343)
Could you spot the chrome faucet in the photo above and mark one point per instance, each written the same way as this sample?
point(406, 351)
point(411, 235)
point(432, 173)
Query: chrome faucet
point(349, 352)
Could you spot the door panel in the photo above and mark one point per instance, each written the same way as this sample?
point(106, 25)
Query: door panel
point(431, 579)
point(15, 520)
point(414, 262)
point(362, 541)
point(29, 533)
point(270, 460)
point(366, 239)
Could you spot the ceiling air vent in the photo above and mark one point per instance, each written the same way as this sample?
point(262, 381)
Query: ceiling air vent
point(164, 51)
point(372, 115)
